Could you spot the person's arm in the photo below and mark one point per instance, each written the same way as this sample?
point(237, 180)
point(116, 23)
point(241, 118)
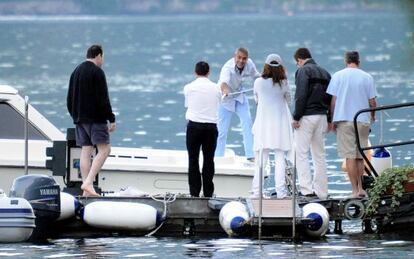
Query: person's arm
point(254, 73)
point(69, 96)
point(328, 98)
point(112, 127)
point(332, 91)
point(224, 89)
point(224, 80)
point(330, 112)
point(287, 95)
point(185, 96)
point(301, 94)
point(255, 86)
point(105, 103)
point(372, 95)
point(372, 104)
point(331, 125)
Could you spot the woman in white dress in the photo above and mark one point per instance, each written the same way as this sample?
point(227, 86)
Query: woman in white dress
point(272, 126)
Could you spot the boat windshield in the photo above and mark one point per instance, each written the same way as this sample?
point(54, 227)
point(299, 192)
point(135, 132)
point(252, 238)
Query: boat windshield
point(12, 125)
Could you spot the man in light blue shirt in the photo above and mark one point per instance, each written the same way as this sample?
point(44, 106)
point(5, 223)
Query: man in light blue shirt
point(352, 90)
point(233, 74)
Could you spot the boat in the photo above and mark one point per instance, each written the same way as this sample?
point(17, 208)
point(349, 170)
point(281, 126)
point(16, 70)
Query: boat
point(153, 171)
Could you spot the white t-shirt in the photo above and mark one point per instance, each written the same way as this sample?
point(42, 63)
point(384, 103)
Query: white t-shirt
point(353, 88)
point(202, 99)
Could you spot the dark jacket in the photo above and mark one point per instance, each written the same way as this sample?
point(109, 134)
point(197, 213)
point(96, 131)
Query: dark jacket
point(88, 99)
point(310, 97)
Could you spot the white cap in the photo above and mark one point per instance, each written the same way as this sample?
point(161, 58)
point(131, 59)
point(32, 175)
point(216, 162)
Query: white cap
point(274, 58)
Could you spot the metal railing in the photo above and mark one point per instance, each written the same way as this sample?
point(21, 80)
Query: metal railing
point(362, 149)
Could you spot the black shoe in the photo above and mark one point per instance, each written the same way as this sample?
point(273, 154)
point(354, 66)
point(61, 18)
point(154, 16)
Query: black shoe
point(310, 195)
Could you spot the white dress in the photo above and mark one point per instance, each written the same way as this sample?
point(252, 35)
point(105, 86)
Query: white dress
point(272, 128)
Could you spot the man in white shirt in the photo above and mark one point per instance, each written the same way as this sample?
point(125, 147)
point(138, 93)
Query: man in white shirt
point(233, 74)
point(352, 90)
point(202, 99)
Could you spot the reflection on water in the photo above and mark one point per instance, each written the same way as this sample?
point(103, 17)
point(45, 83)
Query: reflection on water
point(350, 245)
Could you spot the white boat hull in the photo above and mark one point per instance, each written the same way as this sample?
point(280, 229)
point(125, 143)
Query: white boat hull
point(151, 182)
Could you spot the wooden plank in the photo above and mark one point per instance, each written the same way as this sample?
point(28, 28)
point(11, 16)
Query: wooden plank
point(273, 208)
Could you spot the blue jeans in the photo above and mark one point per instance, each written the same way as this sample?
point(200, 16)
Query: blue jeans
point(242, 110)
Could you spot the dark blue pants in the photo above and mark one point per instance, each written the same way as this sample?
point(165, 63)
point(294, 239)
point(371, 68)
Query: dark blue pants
point(201, 136)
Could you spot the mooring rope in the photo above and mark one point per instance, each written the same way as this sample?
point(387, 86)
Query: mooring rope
point(167, 198)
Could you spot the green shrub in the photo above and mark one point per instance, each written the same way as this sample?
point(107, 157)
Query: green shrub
point(389, 182)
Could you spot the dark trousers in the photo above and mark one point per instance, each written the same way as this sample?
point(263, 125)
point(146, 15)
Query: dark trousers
point(204, 136)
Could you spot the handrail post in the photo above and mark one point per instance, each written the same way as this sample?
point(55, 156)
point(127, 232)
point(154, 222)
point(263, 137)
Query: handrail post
point(26, 135)
point(260, 192)
point(294, 198)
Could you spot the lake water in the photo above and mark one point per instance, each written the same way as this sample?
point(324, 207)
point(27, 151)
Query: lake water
point(334, 246)
point(148, 60)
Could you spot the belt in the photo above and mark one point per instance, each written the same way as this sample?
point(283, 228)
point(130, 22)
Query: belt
point(201, 123)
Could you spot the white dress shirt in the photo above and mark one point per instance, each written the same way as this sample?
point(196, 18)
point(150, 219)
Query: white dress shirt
point(202, 99)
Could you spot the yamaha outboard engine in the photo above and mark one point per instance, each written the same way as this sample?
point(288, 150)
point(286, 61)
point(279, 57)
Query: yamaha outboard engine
point(43, 193)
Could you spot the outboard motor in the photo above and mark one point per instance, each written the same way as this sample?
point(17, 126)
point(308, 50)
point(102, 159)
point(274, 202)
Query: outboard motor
point(43, 193)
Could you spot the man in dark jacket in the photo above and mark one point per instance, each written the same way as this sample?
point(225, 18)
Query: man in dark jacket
point(89, 106)
point(310, 121)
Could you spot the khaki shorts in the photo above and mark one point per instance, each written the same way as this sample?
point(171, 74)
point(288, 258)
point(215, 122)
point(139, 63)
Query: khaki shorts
point(346, 139)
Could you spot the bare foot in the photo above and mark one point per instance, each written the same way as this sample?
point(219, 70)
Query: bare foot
point(362, 194)
point(354, 195)
point(89, 191)
point(88, 194)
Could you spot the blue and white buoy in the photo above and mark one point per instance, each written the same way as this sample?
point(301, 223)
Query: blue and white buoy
point(381, 160)
point(320, 216)
point(233, 217)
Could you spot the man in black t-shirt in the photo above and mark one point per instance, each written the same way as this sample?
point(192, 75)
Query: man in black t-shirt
point(89, 106)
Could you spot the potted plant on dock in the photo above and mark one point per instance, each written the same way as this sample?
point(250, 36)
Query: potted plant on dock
point(393, 182)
